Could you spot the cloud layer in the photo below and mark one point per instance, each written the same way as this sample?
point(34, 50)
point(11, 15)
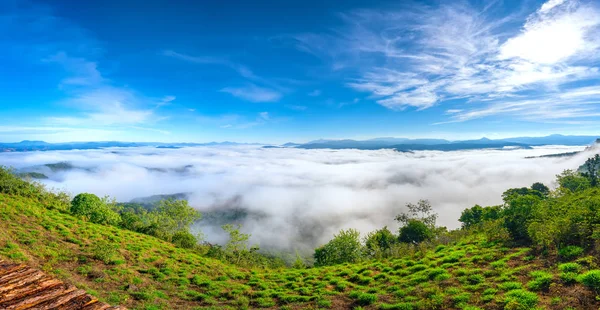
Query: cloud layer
point(518, 65)
point(300, 198)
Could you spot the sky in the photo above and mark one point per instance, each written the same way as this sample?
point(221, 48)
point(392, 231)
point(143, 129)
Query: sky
point(279, 71)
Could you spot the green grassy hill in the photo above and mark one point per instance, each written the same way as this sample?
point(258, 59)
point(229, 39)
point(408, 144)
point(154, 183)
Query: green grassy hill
point(143, 272)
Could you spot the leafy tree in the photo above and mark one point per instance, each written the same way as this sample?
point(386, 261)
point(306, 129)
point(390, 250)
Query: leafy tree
point(238, 242)
point(540, 187)
point(592, 168)
point(379, 243)
point(571, 181)
point(518, 213)
point(176, 215)
point(415, 231)
point(91, 208)
point(471, 217)
point(345, 247)
point(421, 211)
point(184, 239)
point(476, 215)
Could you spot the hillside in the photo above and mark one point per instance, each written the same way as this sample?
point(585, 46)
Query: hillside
point(462, 269)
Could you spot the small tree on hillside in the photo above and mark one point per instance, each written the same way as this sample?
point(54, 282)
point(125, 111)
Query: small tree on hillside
point(379, 243)
point(345, 247)
point(91, 208)
point(418, 223)
point(415, 231)
point(421, 211)
point(238, 242)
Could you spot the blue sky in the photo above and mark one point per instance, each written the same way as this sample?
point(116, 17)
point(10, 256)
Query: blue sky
point(278, 71)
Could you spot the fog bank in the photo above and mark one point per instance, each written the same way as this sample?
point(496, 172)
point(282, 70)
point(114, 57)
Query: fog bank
point(298, 198)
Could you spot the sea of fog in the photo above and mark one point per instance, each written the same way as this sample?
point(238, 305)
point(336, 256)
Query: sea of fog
point(297, 198)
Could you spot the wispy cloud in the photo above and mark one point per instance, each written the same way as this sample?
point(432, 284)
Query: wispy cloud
point(422, 56)
point(253, 93)
point(268, 91)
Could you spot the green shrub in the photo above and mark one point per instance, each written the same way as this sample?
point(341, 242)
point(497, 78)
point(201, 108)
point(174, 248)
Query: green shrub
point(104, 251)
point(91, 208)
point(520, 300)
point(570, 252)
point(568, 277)
point(366, 299)
point(541, 281)
point(591, 279)
point(184, 239)
point(569, 267)
point(509, 286)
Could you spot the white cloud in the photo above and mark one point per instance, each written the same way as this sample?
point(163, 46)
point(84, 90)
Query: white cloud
point(422, 56)
point(560, 30)
point(254, 93)
point(300, 198)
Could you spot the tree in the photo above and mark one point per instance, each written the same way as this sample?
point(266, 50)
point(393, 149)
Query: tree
point(540, 187)
point(184, 239)
point(415, 231)
point(238, 242)
point(421, 211)
point(592, 168)
point(345, 247)
point(379, 243)
point(571, 181)
point(471, 217)
point(518, 213)
point(176, 215)
point(91, 208)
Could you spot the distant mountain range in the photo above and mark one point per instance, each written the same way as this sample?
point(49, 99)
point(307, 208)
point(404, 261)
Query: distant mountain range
point(404, 144)
point(400, 144)
point(27, 145)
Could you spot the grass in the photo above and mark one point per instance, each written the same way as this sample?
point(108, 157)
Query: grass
point(142, 272)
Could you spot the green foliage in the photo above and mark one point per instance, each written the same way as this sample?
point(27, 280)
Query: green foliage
point(175, 215)
point(421, 211)
point(591, 279)
point(91, 208)
point(541, 281)
point(569, 267)
point(570, 252)
point(184, 239)
point(415, 231)
point(519, 212)
point(571, 182)
point(592, 170)
point(345, 247)
point(520, 300)
point(104, 251)
point(378, 244)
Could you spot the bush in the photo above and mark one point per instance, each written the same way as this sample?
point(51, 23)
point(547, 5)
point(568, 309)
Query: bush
point(93, 209)
point(570, 252)
point(345, 247)
point(415, 231)
point(104, 251)
point(366, 299)
point(520, 300)
point(591, 279)
point(540, 282)
point(184, 239)
point(569, 267)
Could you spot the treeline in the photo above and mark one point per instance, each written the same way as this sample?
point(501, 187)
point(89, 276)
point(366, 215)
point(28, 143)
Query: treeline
point(559, 222)
point(418, 232)
point(169, 220)
point(564, 222)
